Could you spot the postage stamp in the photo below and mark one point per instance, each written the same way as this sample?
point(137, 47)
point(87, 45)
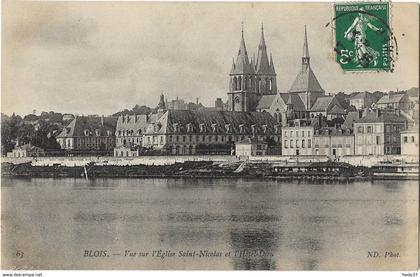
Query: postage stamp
point(363, 37)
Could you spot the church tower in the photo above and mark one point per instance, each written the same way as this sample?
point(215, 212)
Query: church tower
point(306, 84)
point(241, 95)
point(265, 73)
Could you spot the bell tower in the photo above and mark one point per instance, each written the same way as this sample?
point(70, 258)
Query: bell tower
point(241, 95)
point(266, 83)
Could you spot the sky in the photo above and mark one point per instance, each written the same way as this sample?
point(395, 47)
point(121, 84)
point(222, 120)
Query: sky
point(102, 57)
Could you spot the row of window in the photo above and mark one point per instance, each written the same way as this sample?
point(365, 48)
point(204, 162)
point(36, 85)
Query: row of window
point(297, 143)
point(378, 129)
point(198, 138)
point(128, 133)
point(97, 133)
point(297, 133)
point(406, 139)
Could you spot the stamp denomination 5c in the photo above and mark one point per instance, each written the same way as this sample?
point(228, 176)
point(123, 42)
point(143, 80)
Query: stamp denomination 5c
point(363, 37)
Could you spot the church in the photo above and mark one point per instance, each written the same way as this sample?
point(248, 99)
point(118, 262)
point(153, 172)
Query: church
point(250, 80)
point(253, 87)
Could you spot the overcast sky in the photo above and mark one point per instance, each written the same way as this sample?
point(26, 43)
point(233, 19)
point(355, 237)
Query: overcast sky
point(101, 57)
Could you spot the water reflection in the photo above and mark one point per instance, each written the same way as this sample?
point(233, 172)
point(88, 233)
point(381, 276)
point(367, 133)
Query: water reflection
point(253, 249)
point(265, 224)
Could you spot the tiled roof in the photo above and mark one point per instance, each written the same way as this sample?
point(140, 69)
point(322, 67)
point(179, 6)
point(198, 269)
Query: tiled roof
point(336, 109)
point(350, 119)
point(265, 101)
point(306, 81)
point(391, 98)
point(91, 124)
point(321, 104)
point(384, 117)
point(212, 122)
point(295, 100)
point(360, 95)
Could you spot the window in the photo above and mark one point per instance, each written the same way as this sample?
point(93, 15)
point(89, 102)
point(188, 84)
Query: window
point(377, 139)
point(297, 134)
point(369, 129)
point(184, 138)
point(309, 133)
point(291, 133)
point(286, 133)
point(412, 139)
point(360, 129)
point(303, 133)
point(291, 143)
point(297, 143)
point(309, 143)
point(303, 143)
point(177, 138)
point(405, 139)
point(170, 138)
point(286, 143)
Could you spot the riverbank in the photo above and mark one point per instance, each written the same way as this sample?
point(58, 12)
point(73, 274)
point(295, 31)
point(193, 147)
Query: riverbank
point(194, 169)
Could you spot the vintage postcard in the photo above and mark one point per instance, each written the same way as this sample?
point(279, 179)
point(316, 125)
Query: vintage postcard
point(210, 136)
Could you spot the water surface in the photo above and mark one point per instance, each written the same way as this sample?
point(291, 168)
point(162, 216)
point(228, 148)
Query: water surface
point(252, 224)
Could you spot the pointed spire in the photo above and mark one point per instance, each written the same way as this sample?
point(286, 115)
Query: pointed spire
point(305, 55)
point(242, 65)
point(272, 69)
point(233, 65)
point(263, 65)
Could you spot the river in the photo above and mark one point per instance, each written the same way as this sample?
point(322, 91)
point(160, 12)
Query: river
point(229, 223)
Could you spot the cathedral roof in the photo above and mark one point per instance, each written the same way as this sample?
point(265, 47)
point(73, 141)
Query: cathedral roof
point(266, 101)
point(242, 66)
point(293, 99)
point(305, 80)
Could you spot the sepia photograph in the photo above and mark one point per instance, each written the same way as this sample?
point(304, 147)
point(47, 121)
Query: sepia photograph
point(209, 136)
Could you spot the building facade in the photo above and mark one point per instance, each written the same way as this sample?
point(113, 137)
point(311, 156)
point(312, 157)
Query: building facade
point(333, 142)
point(88, 135)
point(250, 147)
point(298, 138)
point(410, 142)
point(378, 134)
point(208, 132)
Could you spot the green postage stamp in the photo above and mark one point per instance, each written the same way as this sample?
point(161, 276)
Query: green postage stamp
point(363, 38)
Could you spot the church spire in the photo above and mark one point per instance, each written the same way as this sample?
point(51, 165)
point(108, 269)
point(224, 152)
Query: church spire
point(242, 65)
point(272, 70)
point(262, 66)
point(305, 55)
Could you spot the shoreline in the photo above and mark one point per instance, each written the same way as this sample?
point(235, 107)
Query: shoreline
point(316, 171)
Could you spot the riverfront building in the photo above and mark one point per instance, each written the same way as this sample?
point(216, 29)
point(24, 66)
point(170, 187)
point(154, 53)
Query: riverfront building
point(410, 141)
point(298, 137)
point(183, 132)
point(333, 142)
point(88, 135)
point(378, 133)
point(250, 147)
